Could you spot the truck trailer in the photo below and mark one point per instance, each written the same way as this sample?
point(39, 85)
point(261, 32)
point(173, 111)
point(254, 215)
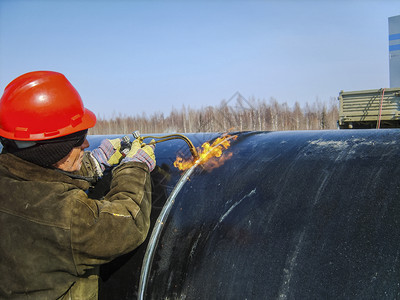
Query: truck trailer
point(377, 108)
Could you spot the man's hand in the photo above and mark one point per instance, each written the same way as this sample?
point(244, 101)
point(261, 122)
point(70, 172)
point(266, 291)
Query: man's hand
point(141, 154)
point(107, 154)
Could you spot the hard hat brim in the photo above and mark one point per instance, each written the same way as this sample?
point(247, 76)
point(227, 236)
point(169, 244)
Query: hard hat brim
point(88, 120)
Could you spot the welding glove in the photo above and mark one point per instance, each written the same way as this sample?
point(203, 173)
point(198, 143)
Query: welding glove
point(107, 154)
point(141, 154)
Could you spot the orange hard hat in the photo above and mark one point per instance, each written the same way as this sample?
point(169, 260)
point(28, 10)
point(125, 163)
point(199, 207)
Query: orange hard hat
point(42, 105)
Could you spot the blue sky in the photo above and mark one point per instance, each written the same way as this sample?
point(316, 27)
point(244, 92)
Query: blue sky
point(135, 57)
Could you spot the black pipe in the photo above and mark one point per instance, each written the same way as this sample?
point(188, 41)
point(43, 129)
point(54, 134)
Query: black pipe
point(295, 215)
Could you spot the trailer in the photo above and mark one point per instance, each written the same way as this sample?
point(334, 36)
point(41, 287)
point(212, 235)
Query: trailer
point(377, 108)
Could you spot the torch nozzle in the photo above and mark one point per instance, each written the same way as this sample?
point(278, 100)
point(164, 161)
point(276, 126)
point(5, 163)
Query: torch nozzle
point(159, 139)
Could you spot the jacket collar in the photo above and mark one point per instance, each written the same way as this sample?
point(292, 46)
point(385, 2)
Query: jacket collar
point(29, 171)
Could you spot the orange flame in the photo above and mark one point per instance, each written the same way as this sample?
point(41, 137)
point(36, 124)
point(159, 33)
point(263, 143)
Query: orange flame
point(211, 156)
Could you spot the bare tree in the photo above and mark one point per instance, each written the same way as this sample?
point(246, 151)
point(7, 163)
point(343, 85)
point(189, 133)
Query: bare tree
point(227, 116)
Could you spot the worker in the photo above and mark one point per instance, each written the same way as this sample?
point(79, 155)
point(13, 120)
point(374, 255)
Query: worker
point(53, 236)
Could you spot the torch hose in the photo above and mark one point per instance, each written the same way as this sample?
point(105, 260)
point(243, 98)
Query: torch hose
point(164, 138)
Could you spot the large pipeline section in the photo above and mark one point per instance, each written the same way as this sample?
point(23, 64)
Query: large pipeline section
point(292, 215)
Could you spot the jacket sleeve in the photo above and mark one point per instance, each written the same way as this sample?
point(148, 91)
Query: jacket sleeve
point(102, 230)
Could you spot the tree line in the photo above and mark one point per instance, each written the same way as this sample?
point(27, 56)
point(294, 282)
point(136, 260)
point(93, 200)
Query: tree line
point(239, 115)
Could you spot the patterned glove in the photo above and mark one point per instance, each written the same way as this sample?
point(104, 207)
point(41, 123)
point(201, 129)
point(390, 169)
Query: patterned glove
point(142, 154)
point(107, 154)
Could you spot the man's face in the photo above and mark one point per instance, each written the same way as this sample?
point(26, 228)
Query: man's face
point(73, 161)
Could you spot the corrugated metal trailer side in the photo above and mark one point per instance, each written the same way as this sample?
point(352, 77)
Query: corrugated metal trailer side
point(364, 109)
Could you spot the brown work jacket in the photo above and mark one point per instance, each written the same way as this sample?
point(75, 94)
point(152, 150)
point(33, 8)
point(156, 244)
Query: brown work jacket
point(53, 236)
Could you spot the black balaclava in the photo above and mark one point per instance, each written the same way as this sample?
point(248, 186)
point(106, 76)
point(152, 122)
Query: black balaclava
point(47, 152)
